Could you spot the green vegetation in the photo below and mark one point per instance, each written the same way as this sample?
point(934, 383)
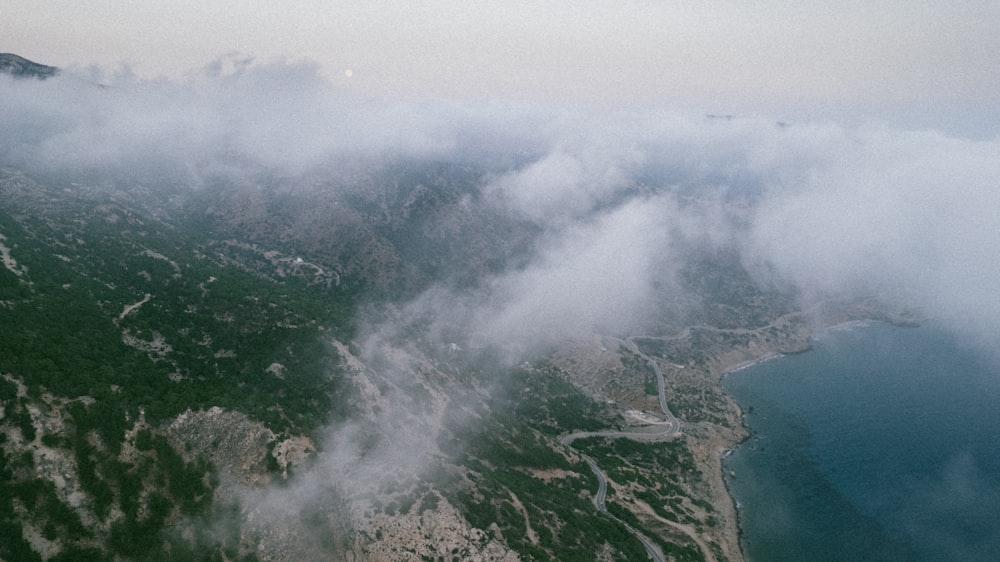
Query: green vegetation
point(664, 473)
point(62, 333)
point(205, 336)
point(516, 451)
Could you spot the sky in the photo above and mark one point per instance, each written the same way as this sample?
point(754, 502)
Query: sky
point(915, 65)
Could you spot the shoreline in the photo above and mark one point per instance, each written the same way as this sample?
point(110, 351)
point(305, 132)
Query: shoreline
point(812, 335)
point(713, 357)
point(724, 475)
point(803, 345)
point(753, 362)
point(737, 508)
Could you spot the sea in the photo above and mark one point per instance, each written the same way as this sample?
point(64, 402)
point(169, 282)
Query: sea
point(880, 443)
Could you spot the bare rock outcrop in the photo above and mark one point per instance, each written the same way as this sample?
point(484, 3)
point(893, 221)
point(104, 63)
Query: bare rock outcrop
point(234, 443)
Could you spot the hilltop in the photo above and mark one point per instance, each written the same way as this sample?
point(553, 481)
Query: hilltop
point(20, 67)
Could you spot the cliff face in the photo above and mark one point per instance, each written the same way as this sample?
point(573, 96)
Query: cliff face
point(20, 67)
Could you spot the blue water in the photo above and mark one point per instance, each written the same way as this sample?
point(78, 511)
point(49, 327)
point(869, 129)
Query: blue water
point(882, 443)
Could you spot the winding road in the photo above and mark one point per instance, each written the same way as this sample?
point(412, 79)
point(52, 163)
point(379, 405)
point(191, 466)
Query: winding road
point(668, 429)
point(665, 430)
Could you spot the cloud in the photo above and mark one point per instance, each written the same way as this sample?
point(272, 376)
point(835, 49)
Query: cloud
point(591, 277)
point(907, 216)
point(233, 115)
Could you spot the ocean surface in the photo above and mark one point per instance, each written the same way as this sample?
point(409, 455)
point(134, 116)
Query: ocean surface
point(881, 443)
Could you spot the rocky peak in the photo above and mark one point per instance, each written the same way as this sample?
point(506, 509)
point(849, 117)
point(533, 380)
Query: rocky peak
point(20, 67)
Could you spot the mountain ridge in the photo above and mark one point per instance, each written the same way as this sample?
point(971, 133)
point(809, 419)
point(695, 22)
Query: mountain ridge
point(20, 67)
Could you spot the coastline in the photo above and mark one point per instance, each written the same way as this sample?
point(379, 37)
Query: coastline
point(695, 363)
point(753, 362)
point(800, 341)
point(802, 345)
point(745, 435)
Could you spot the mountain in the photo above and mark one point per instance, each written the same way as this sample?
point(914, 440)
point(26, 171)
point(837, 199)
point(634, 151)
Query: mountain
point(250, 364)
point(20, 67)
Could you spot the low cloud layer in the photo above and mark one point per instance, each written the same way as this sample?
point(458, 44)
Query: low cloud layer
point(907, 216)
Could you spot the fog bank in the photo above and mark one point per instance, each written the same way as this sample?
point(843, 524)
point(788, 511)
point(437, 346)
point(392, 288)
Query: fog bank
point(905, 216)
